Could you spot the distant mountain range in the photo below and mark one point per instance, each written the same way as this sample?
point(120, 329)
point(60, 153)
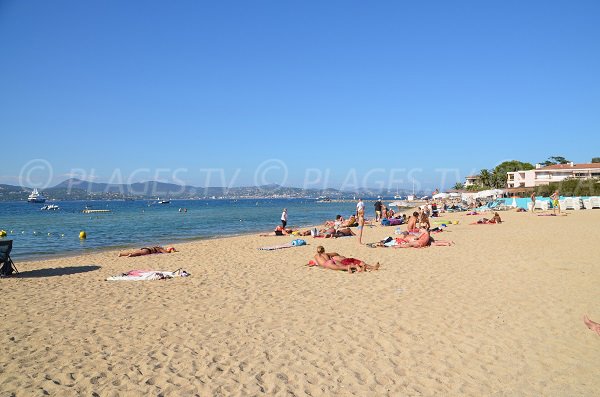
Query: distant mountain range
point(77, 189)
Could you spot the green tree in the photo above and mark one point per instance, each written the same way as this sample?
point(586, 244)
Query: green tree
point(458, 186)
point(596, 160)
point(499, 175)
point(555, 160)
point(485, 177)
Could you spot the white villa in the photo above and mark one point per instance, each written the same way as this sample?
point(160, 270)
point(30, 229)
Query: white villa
point(552, 173)
point(472, 180)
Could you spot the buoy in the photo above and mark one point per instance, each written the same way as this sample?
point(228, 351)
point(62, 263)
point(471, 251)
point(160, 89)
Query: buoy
point(62, 235)
point(2, 233)
point(49, 234)
point(82, 235)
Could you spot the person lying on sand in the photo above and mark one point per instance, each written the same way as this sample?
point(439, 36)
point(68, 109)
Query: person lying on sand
point(335, 261)
point(148, 251)
point(349, 222)
point(594, 326)
point(279, 231)
point(420, 240)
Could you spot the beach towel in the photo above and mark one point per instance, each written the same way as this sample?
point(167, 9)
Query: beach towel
point(276, 247)
point(146, 275)
point(294, 243)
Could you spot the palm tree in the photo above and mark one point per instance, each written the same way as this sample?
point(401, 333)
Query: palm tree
point(485, 177)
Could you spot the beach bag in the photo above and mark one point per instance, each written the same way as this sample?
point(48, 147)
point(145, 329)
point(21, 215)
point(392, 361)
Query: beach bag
point(314, 232)
point(298, 242)
point(385, 222)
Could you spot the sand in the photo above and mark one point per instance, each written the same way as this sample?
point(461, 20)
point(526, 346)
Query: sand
point(499, 313)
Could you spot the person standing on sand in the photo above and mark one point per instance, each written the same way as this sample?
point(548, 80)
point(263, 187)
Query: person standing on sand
point(533, 202)
point(284, 217)
point(361, 223)
point(360, 206)
point(555, 204)
point(378, 206)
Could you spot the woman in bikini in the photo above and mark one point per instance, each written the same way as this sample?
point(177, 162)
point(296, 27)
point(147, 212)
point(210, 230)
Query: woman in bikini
point(335, 261)
point(148, 251)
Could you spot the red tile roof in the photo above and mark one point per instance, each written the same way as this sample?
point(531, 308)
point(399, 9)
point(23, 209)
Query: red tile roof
point(570, 167)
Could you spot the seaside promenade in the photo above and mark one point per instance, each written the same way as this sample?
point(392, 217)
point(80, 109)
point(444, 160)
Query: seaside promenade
point(498, 313)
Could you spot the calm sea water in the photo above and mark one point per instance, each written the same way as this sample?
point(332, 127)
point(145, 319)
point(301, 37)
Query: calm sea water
point(39, 233)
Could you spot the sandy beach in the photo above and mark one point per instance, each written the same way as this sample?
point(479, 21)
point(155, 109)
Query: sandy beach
point(499, 313)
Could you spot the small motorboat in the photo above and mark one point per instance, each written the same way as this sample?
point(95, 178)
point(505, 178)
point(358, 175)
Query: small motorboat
point(50, 207)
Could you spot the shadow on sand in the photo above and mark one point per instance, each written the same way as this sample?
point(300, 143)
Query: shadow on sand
point(55, 271)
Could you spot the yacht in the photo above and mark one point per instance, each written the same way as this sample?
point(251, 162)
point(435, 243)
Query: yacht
point(36, 197)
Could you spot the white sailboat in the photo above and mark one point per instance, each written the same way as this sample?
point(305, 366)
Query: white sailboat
point(397, 196)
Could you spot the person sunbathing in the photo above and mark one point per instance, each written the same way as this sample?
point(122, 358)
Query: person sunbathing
point(279, 231)
point(345, 232)
point(420, 240)
point(495, 219)
point(594, 326)
point(349, 222)
point(424, 221)
point(335, 261)
point(412, 222)
point(337, 223)
point(148, 251)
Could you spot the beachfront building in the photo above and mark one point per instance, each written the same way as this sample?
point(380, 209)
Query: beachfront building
point(553, 173)
point(472, 180)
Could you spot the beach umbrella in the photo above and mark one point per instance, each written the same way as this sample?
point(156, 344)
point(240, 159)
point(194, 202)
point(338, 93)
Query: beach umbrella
point(440, 196)
point(514, 202)
point(454, 194)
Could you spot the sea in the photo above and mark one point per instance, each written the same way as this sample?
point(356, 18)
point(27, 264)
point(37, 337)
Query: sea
point(39, 234)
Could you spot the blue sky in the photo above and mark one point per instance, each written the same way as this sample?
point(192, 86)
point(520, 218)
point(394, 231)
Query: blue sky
point(314, 93)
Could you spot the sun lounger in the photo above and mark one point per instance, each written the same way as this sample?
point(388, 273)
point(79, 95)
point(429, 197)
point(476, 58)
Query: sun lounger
point(539, 205)
point(570, 203)
point(591, 203)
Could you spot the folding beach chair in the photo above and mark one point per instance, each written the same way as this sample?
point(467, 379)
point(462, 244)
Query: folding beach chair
point(8, 265)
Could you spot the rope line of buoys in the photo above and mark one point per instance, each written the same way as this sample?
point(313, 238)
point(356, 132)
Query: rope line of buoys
point(4, 233)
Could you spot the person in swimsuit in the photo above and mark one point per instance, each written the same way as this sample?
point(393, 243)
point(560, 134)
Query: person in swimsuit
point(495, 219)
point(335, 261)
point(555, 204)
point(424, 221)
point(421, 240)
point(361, 224)
point(148, 251)
point(279, 231)
point(412, 222)
point(533, 202)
